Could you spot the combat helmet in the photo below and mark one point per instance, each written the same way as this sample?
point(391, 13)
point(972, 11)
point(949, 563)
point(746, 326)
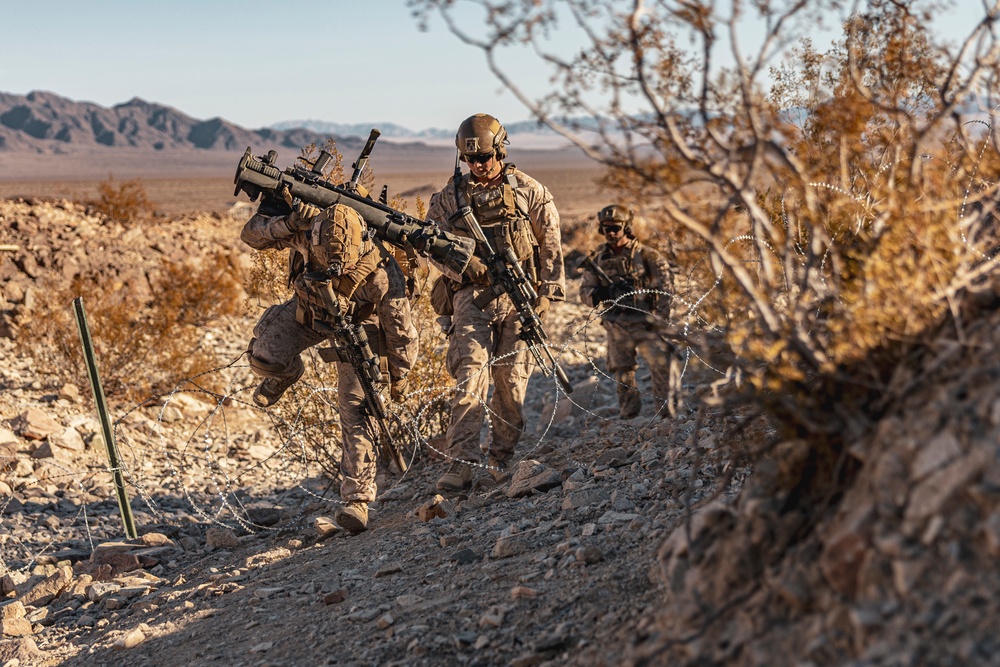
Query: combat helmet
point(481, 134)
point(338, 239)
point(616, 213)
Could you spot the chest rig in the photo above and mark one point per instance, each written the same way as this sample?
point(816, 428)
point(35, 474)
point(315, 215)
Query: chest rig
point(630, 269)
point(504, 221)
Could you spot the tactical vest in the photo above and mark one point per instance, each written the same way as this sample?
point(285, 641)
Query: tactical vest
point(504, 223)
point(629, 265)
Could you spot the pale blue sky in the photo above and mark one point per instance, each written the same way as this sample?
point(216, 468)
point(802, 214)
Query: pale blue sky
point(256, 63)
point(251, 62)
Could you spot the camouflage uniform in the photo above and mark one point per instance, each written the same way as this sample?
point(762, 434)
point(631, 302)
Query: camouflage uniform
point(628, 325)
point(519, 212)
point(374, 287)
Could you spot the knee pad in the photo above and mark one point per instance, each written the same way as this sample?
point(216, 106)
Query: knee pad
point(266, 369)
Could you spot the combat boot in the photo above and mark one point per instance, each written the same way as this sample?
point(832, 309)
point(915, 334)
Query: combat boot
point(458, 477)
point(498, 468)
point(271, 389)
point(352, 517)
point(629, 398)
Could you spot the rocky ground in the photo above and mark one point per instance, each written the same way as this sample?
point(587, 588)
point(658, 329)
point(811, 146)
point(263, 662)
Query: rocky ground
point(237, 560)
point(641, 542)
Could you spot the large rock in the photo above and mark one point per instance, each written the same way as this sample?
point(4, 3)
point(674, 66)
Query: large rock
point(35, 424)
point(529, 476)
point(23, 650)
point(47, 590)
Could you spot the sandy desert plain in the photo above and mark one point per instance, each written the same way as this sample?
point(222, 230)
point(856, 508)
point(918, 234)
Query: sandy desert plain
point(185, 181)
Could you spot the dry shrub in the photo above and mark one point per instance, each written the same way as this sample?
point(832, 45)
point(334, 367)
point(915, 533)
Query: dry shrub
point(827, 206)
point(125, 203)
point(144, 346)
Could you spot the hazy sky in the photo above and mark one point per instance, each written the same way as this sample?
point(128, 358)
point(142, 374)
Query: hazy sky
point(251, 62)
point(256, 63)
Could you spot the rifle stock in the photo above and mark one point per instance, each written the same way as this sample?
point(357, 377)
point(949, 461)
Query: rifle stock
point(256, 176)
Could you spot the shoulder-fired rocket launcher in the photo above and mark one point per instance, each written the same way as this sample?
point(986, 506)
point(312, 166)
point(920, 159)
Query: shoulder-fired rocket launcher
point(255, 175)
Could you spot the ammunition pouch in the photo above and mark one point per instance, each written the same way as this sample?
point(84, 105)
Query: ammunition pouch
point(269, 370)
point(503, 223)
point(442, 297)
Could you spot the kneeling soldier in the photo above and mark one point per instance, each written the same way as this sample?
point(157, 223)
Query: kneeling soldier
point(369, 285)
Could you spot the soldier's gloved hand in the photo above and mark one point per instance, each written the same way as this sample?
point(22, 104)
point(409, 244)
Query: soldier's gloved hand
point(542, 305)
point(600, 293)
point(476, 271)
point(271, 205)
point(621, 287)
point(307, 210)
point(302, 217)
point(397, 390)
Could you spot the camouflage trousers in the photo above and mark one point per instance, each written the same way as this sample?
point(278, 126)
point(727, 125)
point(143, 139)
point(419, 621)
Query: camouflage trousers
point(279, 339)
point(625, 340)
point(484, 347)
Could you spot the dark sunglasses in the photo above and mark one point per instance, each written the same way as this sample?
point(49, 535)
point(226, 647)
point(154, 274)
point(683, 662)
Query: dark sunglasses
point(610, 229)
point(479, 159)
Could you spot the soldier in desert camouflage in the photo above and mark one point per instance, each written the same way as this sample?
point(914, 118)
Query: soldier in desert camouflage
point(637, 282)
point(369, 284)
point(514, 211)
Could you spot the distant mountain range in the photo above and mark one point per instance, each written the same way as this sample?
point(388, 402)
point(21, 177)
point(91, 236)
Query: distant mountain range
point(394, 131)
point(43, 122)
point(46, 123)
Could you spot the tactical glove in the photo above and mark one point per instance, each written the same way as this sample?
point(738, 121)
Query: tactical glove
point(476, 270)
point(297, 223)
point(623, 286)
point(272, 206)
point(301, 217)
point(542, 305)
point(307, 210)
point(397, 390)
point(601, 293)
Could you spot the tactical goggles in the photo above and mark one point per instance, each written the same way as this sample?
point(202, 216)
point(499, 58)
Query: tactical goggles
point(610, 229)
point(479, 159)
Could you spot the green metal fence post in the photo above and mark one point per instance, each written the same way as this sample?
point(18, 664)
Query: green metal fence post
point(102, 413)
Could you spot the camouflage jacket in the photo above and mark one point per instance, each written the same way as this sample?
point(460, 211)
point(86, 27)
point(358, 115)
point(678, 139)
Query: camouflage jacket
point(536, 200)
point(643, 266)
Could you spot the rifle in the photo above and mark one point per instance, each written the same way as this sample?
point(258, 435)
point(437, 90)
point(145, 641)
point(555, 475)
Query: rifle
point(507, 277)
point(602, 275)
point(350, 343)
point(617, 288)
point(256, 176)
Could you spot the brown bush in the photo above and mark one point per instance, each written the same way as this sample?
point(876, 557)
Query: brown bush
point(144, 346)
point(125, 203)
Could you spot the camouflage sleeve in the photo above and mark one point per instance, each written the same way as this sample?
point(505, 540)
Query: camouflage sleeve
point(661, 278)
point(395, 319)
point(440, 208)
point(266, 232)
point(545, 224)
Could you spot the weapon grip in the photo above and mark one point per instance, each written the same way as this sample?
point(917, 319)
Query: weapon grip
point(359, 165)
point(370, 144)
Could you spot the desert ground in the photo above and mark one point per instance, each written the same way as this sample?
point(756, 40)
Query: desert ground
point(651, 541)
point(556, 571)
